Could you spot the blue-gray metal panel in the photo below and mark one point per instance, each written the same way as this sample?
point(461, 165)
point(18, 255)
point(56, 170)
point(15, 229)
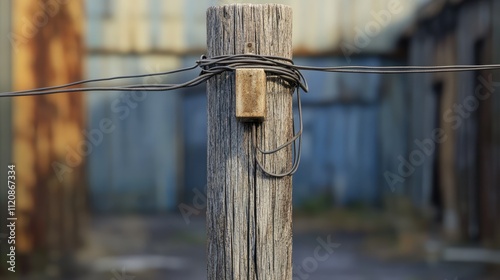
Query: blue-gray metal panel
point(394, 129)
point(340, 87)
point(341, 139)
point(135, 166)
point(195, 144)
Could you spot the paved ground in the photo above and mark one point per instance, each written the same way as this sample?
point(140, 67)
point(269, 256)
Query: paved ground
point(136, 248)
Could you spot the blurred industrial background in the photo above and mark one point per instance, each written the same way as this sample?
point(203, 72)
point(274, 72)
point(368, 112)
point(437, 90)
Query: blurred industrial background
point(402, 171)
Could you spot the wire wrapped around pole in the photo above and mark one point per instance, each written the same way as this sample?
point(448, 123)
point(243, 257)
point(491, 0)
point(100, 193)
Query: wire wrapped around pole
point(274, 66)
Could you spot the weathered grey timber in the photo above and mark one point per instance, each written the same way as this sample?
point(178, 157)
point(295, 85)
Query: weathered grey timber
point(249, 214)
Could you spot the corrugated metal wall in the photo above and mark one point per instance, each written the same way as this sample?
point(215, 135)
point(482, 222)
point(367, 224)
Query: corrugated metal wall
point(457, 181)
point(341, 114)
point(341, 136)
point(51, 195)
point(137, 164)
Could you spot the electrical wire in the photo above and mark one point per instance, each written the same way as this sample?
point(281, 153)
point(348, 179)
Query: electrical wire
point(296, 154)
point(274, 66)
point(283, 68)
point(53, 89)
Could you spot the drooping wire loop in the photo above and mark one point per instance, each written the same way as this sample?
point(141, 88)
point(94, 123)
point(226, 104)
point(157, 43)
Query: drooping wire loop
point(296, 151)
point(274, 66)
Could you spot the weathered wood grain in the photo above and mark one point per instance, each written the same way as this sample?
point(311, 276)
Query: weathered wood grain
point(249, 215)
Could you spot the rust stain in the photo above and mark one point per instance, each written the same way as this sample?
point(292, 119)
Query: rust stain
point(49, 52)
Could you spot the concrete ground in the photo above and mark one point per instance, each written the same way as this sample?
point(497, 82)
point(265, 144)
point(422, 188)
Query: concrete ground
point(135, 247)
point(167, 247)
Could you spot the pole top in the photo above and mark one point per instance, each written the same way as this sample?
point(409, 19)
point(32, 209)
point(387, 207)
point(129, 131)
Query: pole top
point(250, 5)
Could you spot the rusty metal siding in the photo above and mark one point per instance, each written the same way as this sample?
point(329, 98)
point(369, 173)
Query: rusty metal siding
point(50, 212)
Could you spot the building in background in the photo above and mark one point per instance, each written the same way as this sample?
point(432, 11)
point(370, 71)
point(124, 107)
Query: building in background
point(146, 152)
point(156, 156)
point(458, 177)
point(42, 46)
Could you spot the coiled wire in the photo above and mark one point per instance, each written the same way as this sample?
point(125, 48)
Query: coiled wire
point(280, 67)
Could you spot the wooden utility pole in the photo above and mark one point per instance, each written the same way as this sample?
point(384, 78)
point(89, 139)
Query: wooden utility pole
point(249, 214)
